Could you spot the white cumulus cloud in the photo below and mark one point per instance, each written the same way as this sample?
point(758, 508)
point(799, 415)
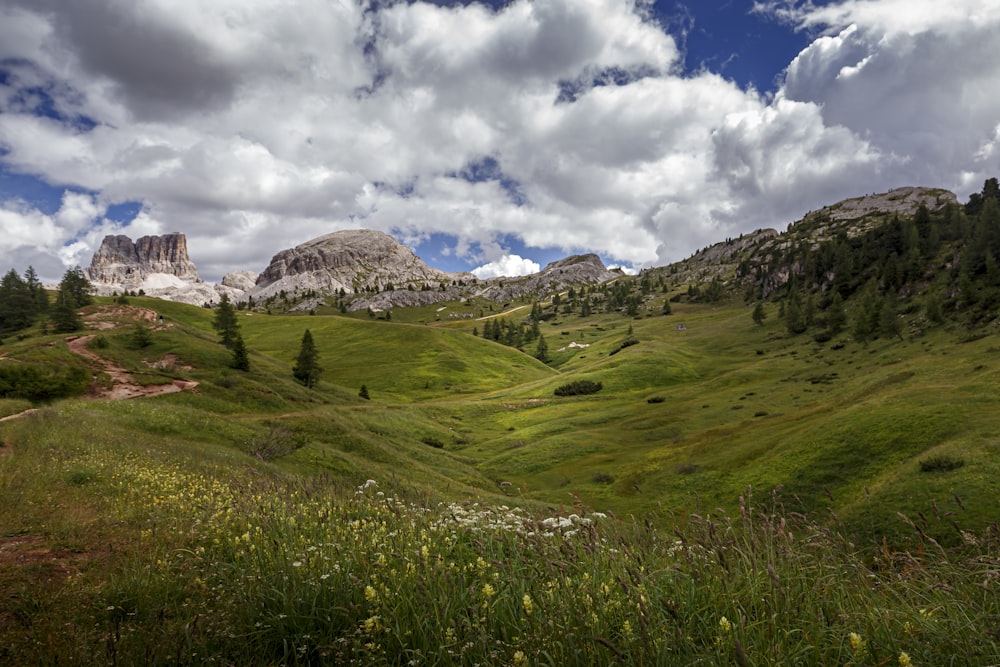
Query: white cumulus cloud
point(508, 265)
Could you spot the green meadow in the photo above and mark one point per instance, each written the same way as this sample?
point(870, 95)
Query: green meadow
point(733, 494)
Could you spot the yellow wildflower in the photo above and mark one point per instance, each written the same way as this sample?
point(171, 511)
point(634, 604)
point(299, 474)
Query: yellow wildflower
point(725, 625)
point(857, 643)
point(488, 591)
point(370, 594)
point(904, 659)
point(527, 604)
point(520, 658)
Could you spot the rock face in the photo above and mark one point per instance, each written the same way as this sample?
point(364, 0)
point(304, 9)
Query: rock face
point(353, 261)
point(572, 271)
point(160, 260)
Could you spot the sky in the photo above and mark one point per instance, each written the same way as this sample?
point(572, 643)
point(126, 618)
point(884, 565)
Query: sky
point(491, 137)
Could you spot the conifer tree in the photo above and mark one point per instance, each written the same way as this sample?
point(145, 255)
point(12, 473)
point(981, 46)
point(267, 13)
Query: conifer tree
point(364, 393)
point(225, 322)
point(241, 361)
point(759, 314)
point(307, 369)
point(836, 317)
point(542, 350)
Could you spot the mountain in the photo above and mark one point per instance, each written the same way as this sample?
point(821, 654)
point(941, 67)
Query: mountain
point(156, 265)
point(348, 262)
point(768, 258)
point(128, 265)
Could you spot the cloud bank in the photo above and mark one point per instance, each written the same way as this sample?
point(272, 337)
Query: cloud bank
point(566, 124)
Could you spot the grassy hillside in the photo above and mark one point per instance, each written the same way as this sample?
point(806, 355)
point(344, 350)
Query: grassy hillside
point(207, 518)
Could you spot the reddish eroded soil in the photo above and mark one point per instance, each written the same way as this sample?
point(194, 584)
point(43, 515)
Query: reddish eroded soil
point(123, 385)
point(29, 549)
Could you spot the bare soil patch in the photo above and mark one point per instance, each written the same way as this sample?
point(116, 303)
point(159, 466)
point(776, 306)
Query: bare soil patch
point(123, 384)
point(56, 565)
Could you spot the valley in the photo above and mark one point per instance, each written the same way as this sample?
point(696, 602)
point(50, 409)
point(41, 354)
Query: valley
point(725, 486)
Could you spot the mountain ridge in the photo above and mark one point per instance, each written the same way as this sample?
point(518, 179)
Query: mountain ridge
point(368, 269)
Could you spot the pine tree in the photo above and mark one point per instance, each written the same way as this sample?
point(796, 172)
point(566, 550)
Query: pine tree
point(836, 317)
point(759, 314)
point(542, 350)
point(666, 310)
point(77, 288)
point(364, 393)
point(307, 369)
point(225, 322)
point(140, 336)
point(65, 318)
point(241, 361)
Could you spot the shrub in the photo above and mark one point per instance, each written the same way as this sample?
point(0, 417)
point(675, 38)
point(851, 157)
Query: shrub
point(603, 478)
point(579, 388)
point(278, 441)
point(655, 399)
point(628, 342)
point(433, 442)
point(941, 463)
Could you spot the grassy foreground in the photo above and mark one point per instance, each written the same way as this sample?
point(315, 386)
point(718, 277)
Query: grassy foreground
point(149, 555)
point(235, 525)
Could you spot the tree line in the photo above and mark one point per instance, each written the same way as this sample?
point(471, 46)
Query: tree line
point(24, 302)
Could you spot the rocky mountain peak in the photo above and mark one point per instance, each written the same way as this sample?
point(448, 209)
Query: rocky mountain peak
point(354, 261)
point(122, 264)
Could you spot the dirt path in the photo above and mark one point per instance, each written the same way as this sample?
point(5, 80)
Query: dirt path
point(123, 385)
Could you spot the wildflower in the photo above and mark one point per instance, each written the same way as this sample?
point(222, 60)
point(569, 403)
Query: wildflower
point(370, 594)
point(857, 643)
point(904, 659)
point(370, 624)
point(296, 563)
point(726, 626)
point(527, 604)
point(520, 658)
point(488, 591)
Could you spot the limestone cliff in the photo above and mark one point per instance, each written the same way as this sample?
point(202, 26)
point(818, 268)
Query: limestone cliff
point(152, 261)
point(354, 261)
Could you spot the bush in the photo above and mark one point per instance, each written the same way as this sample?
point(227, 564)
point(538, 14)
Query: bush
point(433, 442)
point(941, 463)
point(277, 442)
point(579, 388)
point(655, 399)
point(43, 382)
point(603, 478)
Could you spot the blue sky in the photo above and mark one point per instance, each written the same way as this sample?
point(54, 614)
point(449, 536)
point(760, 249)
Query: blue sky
point(495, 137)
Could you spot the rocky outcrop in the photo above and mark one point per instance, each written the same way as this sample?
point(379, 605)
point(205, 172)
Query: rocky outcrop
point(353, 261)
point(240, 280)
point(152, 261)
point(558, 276)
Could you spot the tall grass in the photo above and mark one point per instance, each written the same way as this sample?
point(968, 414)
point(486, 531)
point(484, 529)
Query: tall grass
point(258, 569)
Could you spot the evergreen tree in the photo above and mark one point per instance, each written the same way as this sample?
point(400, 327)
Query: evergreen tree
point(77, 288)
point(225, 322)
point(65, 318)
point(795, 320)
point(836, 317)
point(17, 305)
point(932, 308)
point(364, 393)
point(307, 369)
point(140, 337)
point(542, 350)
point(41, 298)
point(241, 361)
point(759, 314)
point(666, 310)
point(889, 324)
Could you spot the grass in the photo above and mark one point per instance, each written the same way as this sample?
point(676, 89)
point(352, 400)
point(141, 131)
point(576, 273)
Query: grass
point(234, 524)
